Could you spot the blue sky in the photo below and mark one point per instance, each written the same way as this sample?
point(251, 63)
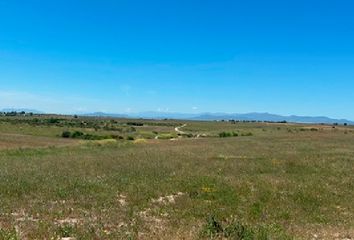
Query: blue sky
point(285, 57)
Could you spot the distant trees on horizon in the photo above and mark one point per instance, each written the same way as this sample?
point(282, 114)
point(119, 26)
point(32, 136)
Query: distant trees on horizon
point(14, 114)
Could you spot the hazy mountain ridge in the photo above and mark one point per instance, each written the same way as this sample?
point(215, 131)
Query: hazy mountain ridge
point(272, 117)
point(254, 116)
point(103, 114)
point(225, 116)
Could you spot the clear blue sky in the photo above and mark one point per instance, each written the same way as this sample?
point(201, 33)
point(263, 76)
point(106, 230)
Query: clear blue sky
point(285, 57)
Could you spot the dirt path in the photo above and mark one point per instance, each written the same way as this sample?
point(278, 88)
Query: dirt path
point(177, 129)
point(179, 132)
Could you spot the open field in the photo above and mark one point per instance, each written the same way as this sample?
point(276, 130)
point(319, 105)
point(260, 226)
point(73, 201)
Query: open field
point(218, 180)
point(14, 141)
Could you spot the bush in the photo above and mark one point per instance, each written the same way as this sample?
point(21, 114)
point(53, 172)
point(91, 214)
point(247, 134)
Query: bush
point(53, 120)
point(138, 124)
point(9, 234)
point(131, 129)
point(228, 134)
point(130, 138)
point(224, 134)
point(240, 231)
point(66, 134)
point(216, 229)
point(212, 228)
point(166, 136)
point(116, 137)
point(81, 135)
point(65, 231)
point(309, 129)
point(189, 135)
point(77, 134)
point(94, 137)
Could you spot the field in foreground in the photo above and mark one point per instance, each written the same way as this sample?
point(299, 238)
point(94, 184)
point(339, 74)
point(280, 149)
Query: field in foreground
point(261, 181)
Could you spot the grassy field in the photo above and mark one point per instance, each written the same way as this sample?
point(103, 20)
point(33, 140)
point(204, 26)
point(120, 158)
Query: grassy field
point(265, 181)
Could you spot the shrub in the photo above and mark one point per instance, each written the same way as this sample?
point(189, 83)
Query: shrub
point(81, 135)
point(93, 137)
point(216, 229)
point(66, 231)
point(53, 120)
point(228, 134)
point(309, 129)
point(138, 124)
point(225, 134)
point(114, 136)
point(66, 134)
point(131, 129)
point(77, 134)
point(130, 138)
point(240, 231)
point(8, 234)
point(212, 228)
point(189, 135)
point(165, 136)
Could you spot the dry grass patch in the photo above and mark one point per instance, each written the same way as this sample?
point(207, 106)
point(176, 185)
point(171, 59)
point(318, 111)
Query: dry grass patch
point(13, 141)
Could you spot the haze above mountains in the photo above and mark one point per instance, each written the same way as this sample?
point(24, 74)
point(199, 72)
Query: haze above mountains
point(208, 116)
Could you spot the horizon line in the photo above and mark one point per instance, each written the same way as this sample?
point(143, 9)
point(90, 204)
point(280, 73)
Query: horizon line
point(35, 111)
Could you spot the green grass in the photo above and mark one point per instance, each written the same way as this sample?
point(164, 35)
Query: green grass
point(275, 184)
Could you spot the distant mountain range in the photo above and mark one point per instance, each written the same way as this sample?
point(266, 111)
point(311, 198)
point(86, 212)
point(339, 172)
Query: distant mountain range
point(102, 114)
point(226, 116)
point(207, 116)
point(272, 117)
